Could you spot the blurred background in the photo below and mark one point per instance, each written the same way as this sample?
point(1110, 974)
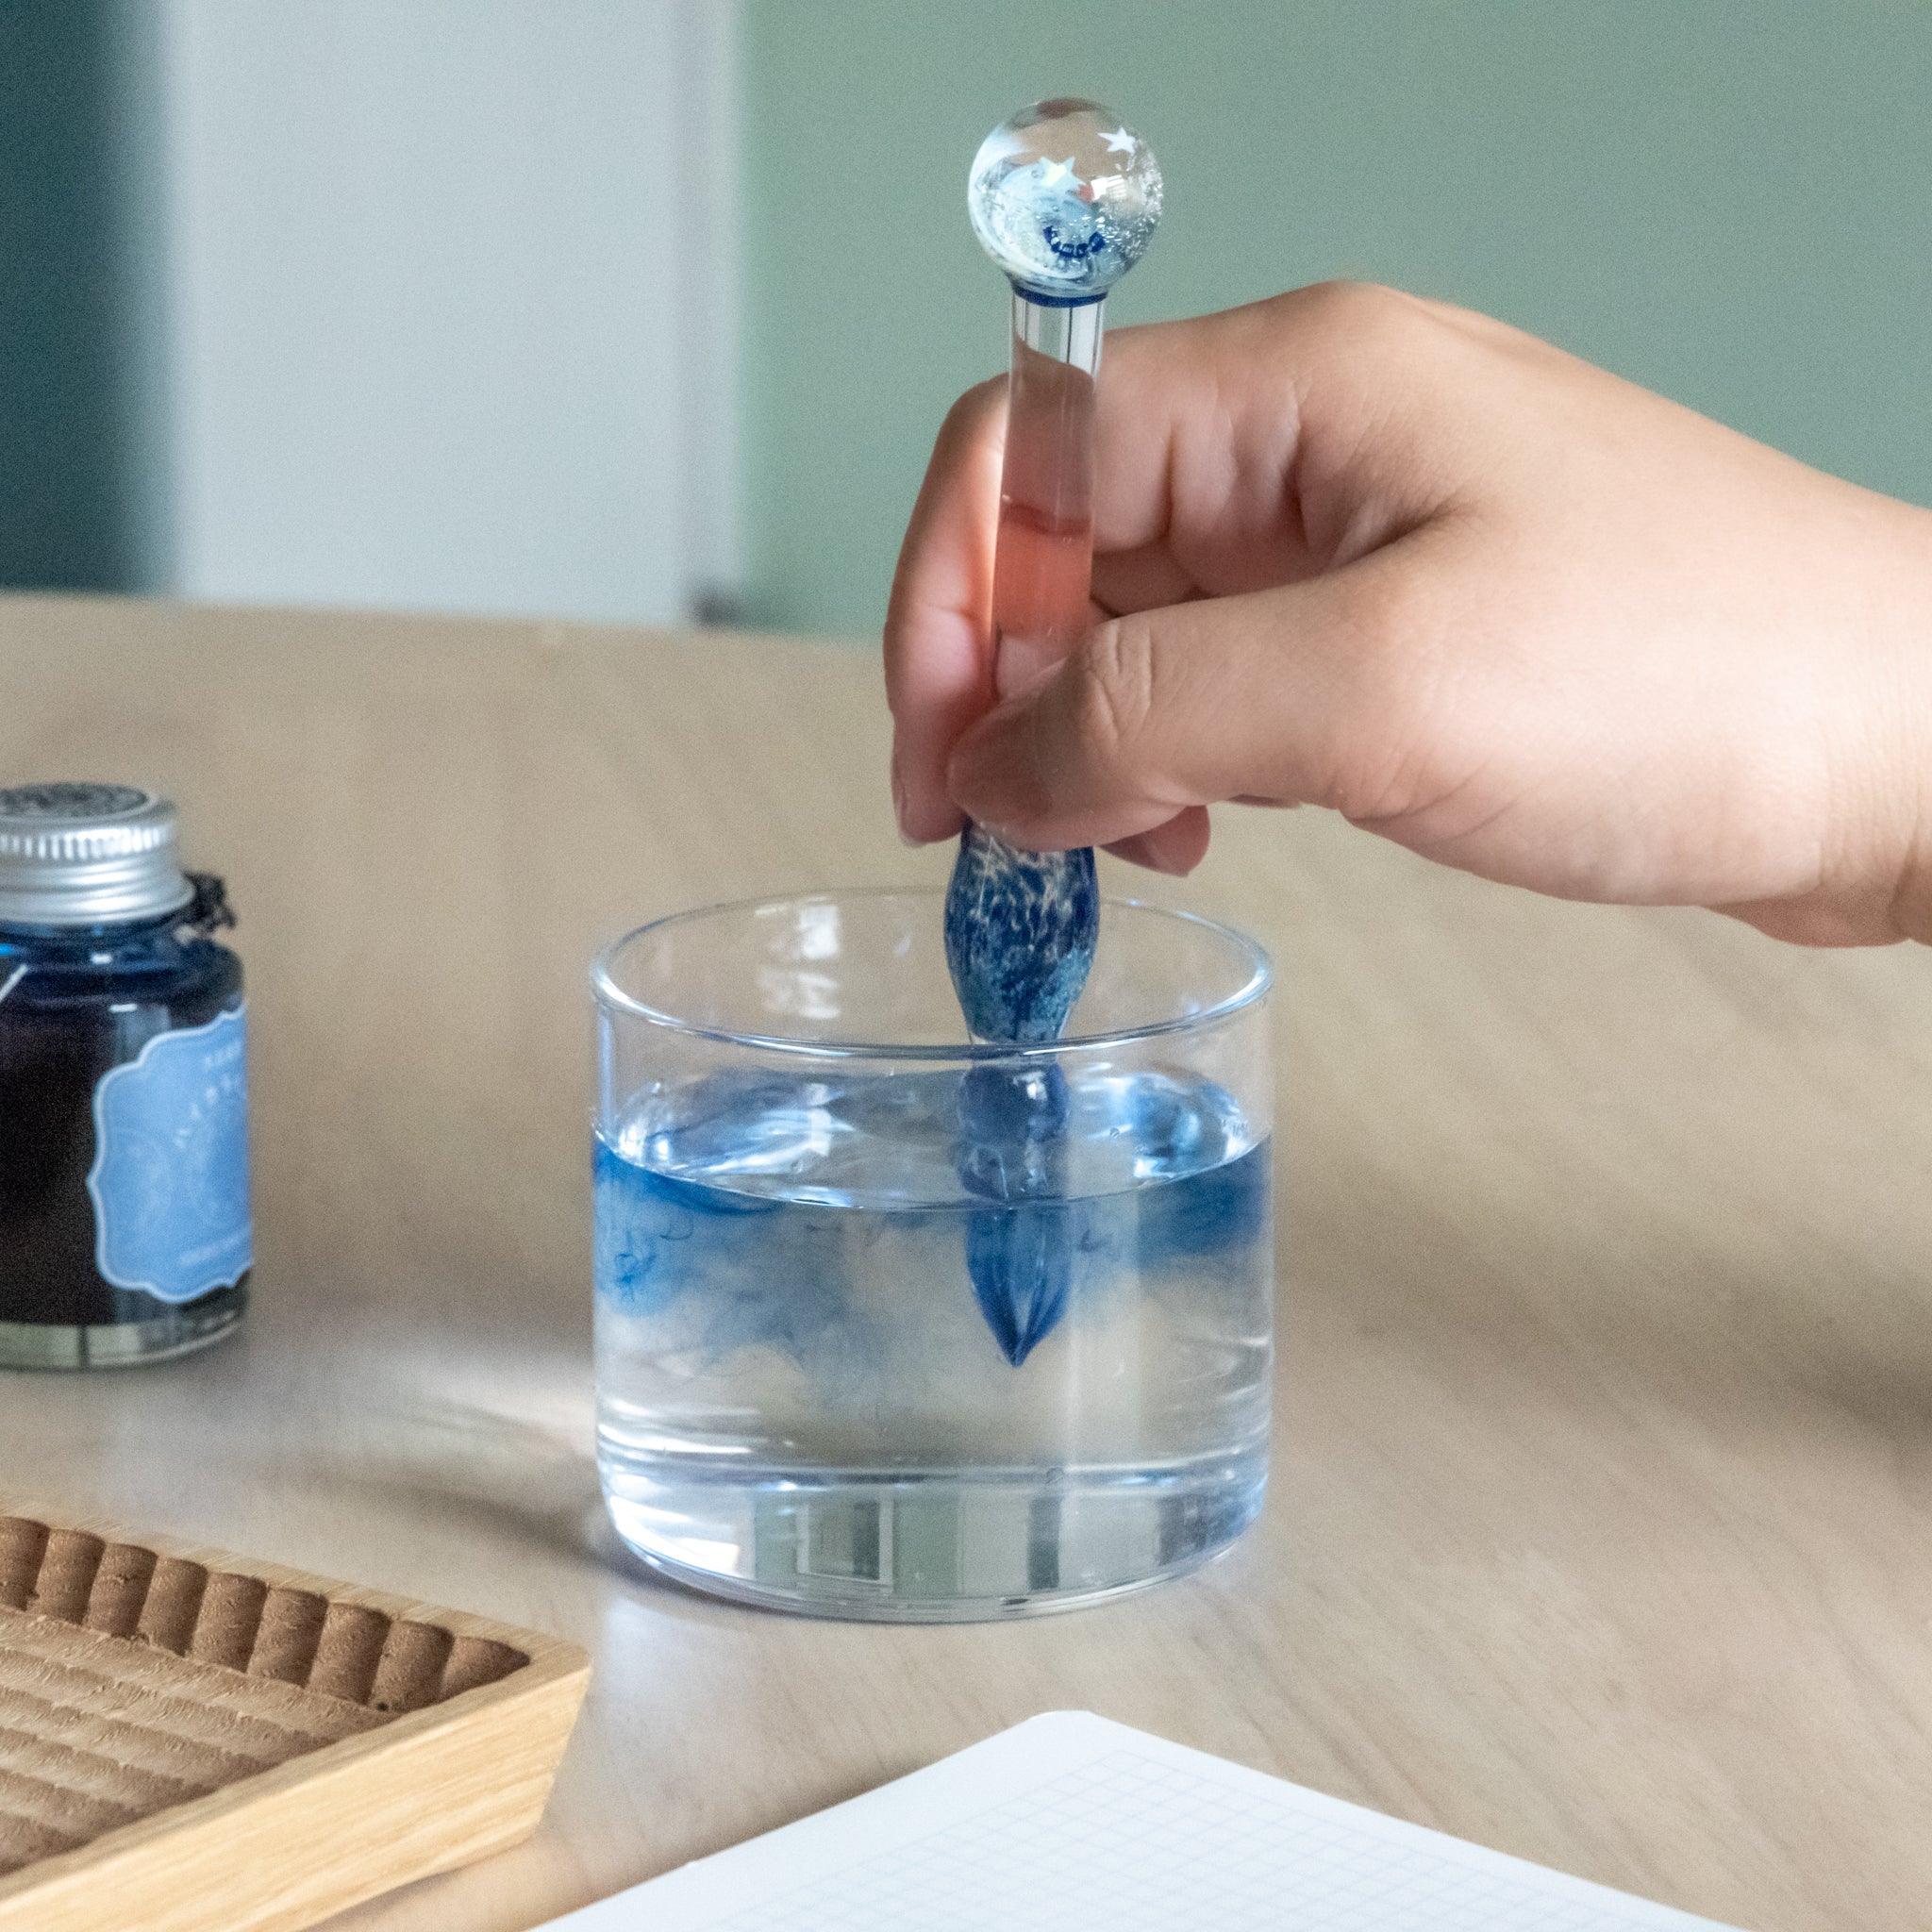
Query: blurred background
point(647, 309)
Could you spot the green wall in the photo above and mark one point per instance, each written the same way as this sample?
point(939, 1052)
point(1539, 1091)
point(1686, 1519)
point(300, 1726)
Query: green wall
point(78, 295)
point(1730, 202)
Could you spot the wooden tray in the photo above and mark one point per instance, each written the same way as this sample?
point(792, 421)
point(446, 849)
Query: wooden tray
point(193, 1742)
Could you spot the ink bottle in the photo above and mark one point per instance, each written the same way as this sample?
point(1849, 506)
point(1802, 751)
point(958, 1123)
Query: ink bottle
point(124, 1225)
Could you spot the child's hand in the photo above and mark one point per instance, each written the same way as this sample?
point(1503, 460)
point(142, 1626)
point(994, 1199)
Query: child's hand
point(1360, 550)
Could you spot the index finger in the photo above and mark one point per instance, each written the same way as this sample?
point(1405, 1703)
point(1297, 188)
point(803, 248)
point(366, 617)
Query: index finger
point(938, 644)
point(938, 647)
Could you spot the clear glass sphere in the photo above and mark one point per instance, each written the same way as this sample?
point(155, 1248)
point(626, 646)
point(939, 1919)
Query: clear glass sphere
point(1065, 197)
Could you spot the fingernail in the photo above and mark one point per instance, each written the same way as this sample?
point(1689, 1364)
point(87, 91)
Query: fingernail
point(1143, 851)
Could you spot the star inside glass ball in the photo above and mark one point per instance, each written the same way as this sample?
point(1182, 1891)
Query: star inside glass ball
point(1065, 197)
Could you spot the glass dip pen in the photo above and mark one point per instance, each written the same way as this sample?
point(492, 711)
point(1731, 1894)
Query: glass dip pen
point(1064, 197)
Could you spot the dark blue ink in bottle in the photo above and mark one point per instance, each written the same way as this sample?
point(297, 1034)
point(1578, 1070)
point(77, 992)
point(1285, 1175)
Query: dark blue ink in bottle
point(124, 1226)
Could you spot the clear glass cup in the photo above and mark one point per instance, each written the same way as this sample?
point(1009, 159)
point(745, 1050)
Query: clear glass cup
point(896, 1324)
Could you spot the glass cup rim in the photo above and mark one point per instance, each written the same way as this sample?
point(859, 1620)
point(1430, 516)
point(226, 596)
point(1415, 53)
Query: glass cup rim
point(608, 995)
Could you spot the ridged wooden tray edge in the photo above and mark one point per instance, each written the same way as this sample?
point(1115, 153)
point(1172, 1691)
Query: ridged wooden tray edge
point(425, 1791)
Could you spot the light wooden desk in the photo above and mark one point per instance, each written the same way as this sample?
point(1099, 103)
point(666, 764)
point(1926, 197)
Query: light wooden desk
point(1602, 1530)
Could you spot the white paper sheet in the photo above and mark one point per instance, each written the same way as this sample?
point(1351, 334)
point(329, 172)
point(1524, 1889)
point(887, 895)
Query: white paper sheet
point(1068, 1821)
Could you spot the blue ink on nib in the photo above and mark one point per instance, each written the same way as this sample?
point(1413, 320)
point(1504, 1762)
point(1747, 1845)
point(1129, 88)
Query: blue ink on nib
point(1021, 928)
point(1020, 933)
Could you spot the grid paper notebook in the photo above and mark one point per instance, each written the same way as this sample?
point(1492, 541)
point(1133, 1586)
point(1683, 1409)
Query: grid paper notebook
point(1068, 1821)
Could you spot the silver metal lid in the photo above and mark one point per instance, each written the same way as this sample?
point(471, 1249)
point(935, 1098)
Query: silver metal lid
point(88, 855)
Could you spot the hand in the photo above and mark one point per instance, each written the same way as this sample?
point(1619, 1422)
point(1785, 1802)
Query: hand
point(1364, 551)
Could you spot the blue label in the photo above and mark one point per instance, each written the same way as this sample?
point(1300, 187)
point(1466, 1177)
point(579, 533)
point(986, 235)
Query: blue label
point(169, 1179)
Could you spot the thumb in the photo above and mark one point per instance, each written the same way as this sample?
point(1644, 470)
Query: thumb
point(1303, 694)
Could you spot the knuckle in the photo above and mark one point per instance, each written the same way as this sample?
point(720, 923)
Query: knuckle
point(1359, 314)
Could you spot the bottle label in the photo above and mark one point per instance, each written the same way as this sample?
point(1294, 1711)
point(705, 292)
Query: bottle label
point(170, 1179)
